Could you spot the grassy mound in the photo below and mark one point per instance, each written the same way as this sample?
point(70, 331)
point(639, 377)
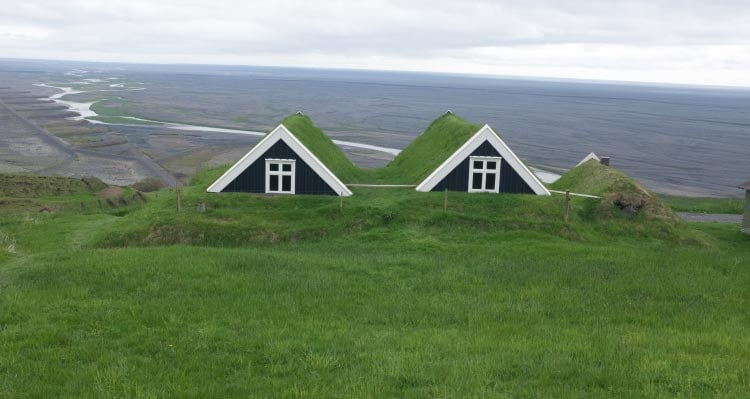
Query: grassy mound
point(621, 194)
point(24, 194)
point(372, 215)
point(32, 186)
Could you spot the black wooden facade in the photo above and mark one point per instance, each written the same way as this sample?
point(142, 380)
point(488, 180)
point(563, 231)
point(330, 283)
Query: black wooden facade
point(458, 178)
point(253, 179)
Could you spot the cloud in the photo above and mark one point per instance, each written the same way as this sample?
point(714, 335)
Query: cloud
point(676, 41)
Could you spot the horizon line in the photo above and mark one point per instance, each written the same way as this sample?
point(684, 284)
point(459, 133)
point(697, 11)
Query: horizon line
point(406, 71)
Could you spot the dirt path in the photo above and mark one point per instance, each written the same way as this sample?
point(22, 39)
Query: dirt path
point(710, 217)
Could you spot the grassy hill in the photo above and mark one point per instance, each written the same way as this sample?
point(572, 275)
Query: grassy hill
point(393, 296)
point(240, 219)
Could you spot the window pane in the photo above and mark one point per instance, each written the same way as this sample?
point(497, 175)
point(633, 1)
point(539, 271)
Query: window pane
point(478, 165)
point(476, 181)
point(273, 183)
point(492, 165)
point(287, 167)
point(286, 183)
point(489, 183)
point(274, 167)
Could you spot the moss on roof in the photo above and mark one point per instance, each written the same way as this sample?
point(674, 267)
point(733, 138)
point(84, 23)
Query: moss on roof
point(617, 190)
point(323, 147)
point(442, 138)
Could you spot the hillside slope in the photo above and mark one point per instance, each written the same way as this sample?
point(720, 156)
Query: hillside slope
point(391, 296)
point(32, 186)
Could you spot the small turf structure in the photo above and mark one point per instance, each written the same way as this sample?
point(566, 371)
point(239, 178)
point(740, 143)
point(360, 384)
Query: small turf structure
point(618, 192)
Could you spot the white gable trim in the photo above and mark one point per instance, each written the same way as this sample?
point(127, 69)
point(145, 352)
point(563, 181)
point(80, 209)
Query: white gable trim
point(588, 157)
point(484, 134)
point(283, 134)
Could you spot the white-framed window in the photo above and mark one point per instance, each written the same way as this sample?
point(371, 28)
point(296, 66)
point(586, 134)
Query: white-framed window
point(484, 174)
point(279, 176)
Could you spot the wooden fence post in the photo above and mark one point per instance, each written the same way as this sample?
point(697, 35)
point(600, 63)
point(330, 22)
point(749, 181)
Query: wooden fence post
point(177, 194)
point(567, 205)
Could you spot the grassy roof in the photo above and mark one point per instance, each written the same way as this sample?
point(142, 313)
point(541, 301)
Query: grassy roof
point(442, 138)
point(591, 177)
point(323, 147)
point(617, 189)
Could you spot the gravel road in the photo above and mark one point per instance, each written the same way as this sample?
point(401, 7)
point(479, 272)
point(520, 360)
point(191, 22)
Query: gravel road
point(710, 217)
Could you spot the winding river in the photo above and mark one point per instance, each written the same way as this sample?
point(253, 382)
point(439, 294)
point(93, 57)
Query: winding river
point(84, 111)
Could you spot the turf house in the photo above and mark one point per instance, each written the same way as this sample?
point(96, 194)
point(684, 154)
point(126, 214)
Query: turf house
point(484, 163)
point(280, 164)
point(452, 154)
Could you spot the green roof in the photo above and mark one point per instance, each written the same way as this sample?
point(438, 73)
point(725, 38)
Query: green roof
point(302, 127)
point(442, 138)
point(429, 150)
point(591, 177)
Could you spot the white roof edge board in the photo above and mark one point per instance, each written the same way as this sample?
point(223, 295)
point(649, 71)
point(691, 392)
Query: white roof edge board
point(587, 158)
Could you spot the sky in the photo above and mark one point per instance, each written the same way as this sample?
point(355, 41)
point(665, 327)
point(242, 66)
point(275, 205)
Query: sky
point(667, 41)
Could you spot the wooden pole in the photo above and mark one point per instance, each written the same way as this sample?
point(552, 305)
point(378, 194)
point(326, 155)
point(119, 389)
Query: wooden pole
point(567, 206)
point(445, 200)
point(177, 194)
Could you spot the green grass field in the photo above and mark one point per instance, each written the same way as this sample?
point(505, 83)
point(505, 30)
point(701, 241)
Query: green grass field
point(391, 296)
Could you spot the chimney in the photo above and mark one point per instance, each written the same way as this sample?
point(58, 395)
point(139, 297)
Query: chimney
point(604, 161)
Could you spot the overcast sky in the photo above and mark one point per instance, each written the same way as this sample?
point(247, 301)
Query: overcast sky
point(677, 41)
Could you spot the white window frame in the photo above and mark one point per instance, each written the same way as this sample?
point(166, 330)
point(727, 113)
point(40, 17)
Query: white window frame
point(484, 171)
point(280, 173)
